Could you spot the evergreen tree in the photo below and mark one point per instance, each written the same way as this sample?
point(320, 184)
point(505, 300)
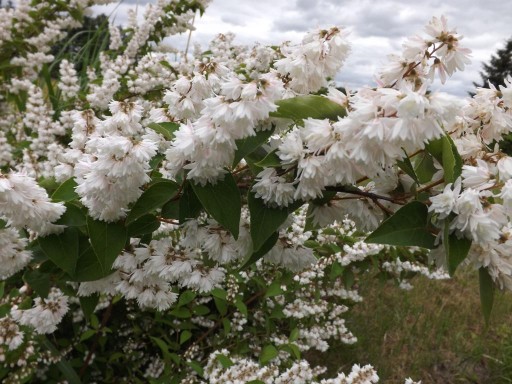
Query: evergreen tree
point(499, 67)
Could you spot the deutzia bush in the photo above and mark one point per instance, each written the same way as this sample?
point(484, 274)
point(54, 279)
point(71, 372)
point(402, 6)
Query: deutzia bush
point(205, 218)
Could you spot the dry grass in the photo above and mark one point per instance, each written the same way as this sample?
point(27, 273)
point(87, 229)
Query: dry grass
point(435, 333)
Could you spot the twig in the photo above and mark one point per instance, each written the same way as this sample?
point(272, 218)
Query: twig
point(104, 320)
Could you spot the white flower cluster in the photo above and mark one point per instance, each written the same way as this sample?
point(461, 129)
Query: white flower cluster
point(245, 370)
point(13, 255)
point(46, 313)
point(24, 204)
point(10, 334)
point(115, 163)
point(68, 83)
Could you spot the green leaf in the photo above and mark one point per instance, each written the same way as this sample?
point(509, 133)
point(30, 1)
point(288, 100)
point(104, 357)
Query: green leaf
point(221, 305)
point(266, 220)
point(264, 249)
point(181, 313)
point(302, 107)
point(274, 289)
point(66, 191)
point(406, 166)
point(224, 360)
point(445, 151)
point(407, 227)
point(186, 297)
point(268, 353)
point(88, 334)
point(294, 335)
point(424, 167)
point(185, 336)
point(73, 217)
point(222, 201)
point(250, 144)
point(486, 293)
point(38, 281)
point(269, 161)
point(143, 225)
point(196, 367)
point(88, 267)
point(165, 129)
point(152, 198)
point(107, 240)
point(88, 304)
point(240, 305)
point(189, 204)
point(456, 249)
point(62, 249)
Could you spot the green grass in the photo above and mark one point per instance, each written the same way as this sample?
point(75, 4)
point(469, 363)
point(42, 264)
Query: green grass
point(435, 333)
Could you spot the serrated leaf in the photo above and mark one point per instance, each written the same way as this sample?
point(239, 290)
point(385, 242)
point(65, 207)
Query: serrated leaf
point(189, 205)
point(445, 151)
point(268, 353)
point(269, 161)
point(166, 129)
point(88, 267)
point(424, 167)
point(407, 227)
point(302, 107)
point(222, 201)
point(107, 240)
point(40, 282)
point(456, 249)
point(154, 197)
point(143, 225)
point(250, 144)
point(66, 191)
point(264, 249)
point(62, 249)
point(73, 217)
point(266, 220)
point(486, 292)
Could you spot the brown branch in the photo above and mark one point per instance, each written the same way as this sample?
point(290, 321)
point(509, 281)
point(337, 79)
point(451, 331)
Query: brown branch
point(104, 320)
point(370, 195)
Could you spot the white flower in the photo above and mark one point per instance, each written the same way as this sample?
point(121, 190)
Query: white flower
point(480, 177)
point(445, 202)
point(46, 314)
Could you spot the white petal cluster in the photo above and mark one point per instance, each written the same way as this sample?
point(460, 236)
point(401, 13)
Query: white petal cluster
point(320, 56)
point(26, 205)
point(13, 255)
point(46, 313)
point(300, 372)
point(68, 83)
point(10, 334)
point(115, 164)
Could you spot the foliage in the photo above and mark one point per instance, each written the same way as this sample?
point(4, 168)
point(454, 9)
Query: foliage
point(203, 220)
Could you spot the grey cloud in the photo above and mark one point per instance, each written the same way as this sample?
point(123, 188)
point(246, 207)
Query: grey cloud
point(378, 28)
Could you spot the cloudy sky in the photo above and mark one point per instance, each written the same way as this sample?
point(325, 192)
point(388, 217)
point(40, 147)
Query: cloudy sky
point(377, 28)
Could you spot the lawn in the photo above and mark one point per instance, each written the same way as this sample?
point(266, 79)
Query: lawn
point(435, 332)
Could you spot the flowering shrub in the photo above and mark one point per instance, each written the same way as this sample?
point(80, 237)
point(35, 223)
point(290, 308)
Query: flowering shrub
point(205, 219)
